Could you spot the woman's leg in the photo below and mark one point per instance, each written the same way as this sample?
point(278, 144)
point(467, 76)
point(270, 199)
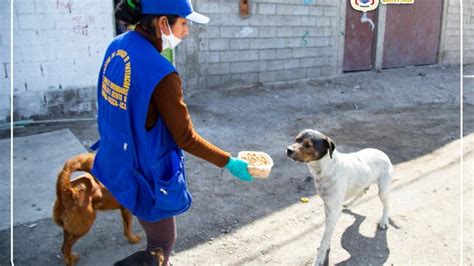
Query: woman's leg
point(160, 234)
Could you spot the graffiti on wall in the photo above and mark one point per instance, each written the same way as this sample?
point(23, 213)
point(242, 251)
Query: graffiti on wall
point(304, 42)
point(81, 24)
point(63, 4)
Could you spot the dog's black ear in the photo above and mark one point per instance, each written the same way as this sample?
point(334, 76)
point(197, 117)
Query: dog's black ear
point(331, 146)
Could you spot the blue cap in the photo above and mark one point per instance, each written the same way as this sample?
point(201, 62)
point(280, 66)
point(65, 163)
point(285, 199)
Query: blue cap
point(182, 8)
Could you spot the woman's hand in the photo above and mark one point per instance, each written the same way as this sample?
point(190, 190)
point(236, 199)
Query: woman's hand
point(239, 169)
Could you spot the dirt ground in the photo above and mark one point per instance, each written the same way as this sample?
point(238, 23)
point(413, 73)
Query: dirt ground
point(410, 113)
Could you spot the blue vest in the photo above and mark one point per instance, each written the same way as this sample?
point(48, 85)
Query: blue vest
point(143, 169)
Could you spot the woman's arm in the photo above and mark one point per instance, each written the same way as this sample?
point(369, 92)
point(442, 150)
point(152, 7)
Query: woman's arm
point(167, 102)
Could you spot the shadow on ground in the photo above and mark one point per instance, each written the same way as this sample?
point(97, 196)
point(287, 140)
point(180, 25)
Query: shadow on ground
point(364, 250)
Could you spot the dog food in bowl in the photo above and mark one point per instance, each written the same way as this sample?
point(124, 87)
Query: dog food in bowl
point(260, 163)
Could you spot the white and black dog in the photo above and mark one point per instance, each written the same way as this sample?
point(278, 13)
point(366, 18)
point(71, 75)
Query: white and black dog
point(341, 177)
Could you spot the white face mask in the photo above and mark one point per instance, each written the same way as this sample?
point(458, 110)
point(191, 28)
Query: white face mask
point(169, 41)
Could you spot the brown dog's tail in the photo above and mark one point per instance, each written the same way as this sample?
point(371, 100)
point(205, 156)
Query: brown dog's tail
point(64, 190)
point(81, 162)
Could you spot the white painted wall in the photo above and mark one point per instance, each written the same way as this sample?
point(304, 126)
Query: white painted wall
point(58, 47)
point(4, 60)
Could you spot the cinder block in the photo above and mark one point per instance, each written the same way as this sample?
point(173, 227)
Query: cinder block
point(219, 44)
point(256, 44)
point(36, 22)
point(309, 21)
point(230, 20)
point(27, 69)
point(284, 10)
point(328, 71)
point(239, 44)
point(276, 43)
point(266, 9)
point(229, 7)
point(204, 44)
point(307, 62)
point(219, 68)
point(262, 66)
point(214, 57)
point(248, 32)
point(273, 65)
point(229, 32)
point(268, 76)
point(209, 32)
point(207, 7)
point(267, 32)
point(27, 104)
point(323, 21)
point(243, 67)
point(4, 109)
point(230, 56)
point(239, 32)
point(292, 63)
point(31, 54)
point(266, 54)
point(313, 72)
point(213, 81)
point(285, 31)
point(284, 53)
point(301, 10)
point(294, 42)
point(203, 57)
point(250, 55)
point(330, 11)
point(315, 10)
point(321, 61)
point(320, 42)
point(24, 8)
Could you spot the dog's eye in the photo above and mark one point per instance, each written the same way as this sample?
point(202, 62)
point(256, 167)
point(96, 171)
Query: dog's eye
point(306, 145)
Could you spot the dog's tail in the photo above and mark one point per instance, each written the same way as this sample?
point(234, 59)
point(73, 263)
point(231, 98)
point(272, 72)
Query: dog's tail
point(81, 162)
point(64, 190)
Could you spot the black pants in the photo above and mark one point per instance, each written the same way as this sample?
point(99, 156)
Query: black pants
point(160, 234)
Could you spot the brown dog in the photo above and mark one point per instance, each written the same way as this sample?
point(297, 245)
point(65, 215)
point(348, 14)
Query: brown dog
point(77, 202)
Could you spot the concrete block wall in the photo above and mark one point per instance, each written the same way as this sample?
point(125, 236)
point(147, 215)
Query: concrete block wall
point(5, 60)
point(58, 49)
point(450, 50)
point(468, 31)
point(59, 44)
point(281, 40)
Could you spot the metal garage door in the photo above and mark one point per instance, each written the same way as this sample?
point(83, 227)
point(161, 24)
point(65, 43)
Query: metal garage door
point(359, 41)
point(412, 33)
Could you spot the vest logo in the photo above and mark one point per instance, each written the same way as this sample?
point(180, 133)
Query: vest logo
point(115, 94)
point(365, 5)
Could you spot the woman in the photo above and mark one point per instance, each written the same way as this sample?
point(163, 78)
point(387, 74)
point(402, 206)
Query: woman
point(143, 121)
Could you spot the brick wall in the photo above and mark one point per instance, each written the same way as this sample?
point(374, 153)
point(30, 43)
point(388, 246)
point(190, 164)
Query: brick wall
point(281, 40)
point(58, 48)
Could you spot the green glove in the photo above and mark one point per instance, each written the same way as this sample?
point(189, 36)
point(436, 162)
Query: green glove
point(238, 168)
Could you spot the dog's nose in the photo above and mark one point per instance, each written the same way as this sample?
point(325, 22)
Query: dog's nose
point(289, 151)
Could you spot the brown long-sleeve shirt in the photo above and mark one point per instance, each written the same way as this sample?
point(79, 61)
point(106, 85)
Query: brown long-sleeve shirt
point(168, 103)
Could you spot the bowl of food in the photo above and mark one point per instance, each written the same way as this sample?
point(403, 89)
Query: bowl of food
point(260, 163)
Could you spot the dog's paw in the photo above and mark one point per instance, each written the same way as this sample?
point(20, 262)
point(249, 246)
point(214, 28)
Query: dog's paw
point(71, 261)
point(383, 225)
point(134, 239)
point(319, 261)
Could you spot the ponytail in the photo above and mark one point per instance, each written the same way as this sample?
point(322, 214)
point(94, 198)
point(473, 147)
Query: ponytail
point(128, 11)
